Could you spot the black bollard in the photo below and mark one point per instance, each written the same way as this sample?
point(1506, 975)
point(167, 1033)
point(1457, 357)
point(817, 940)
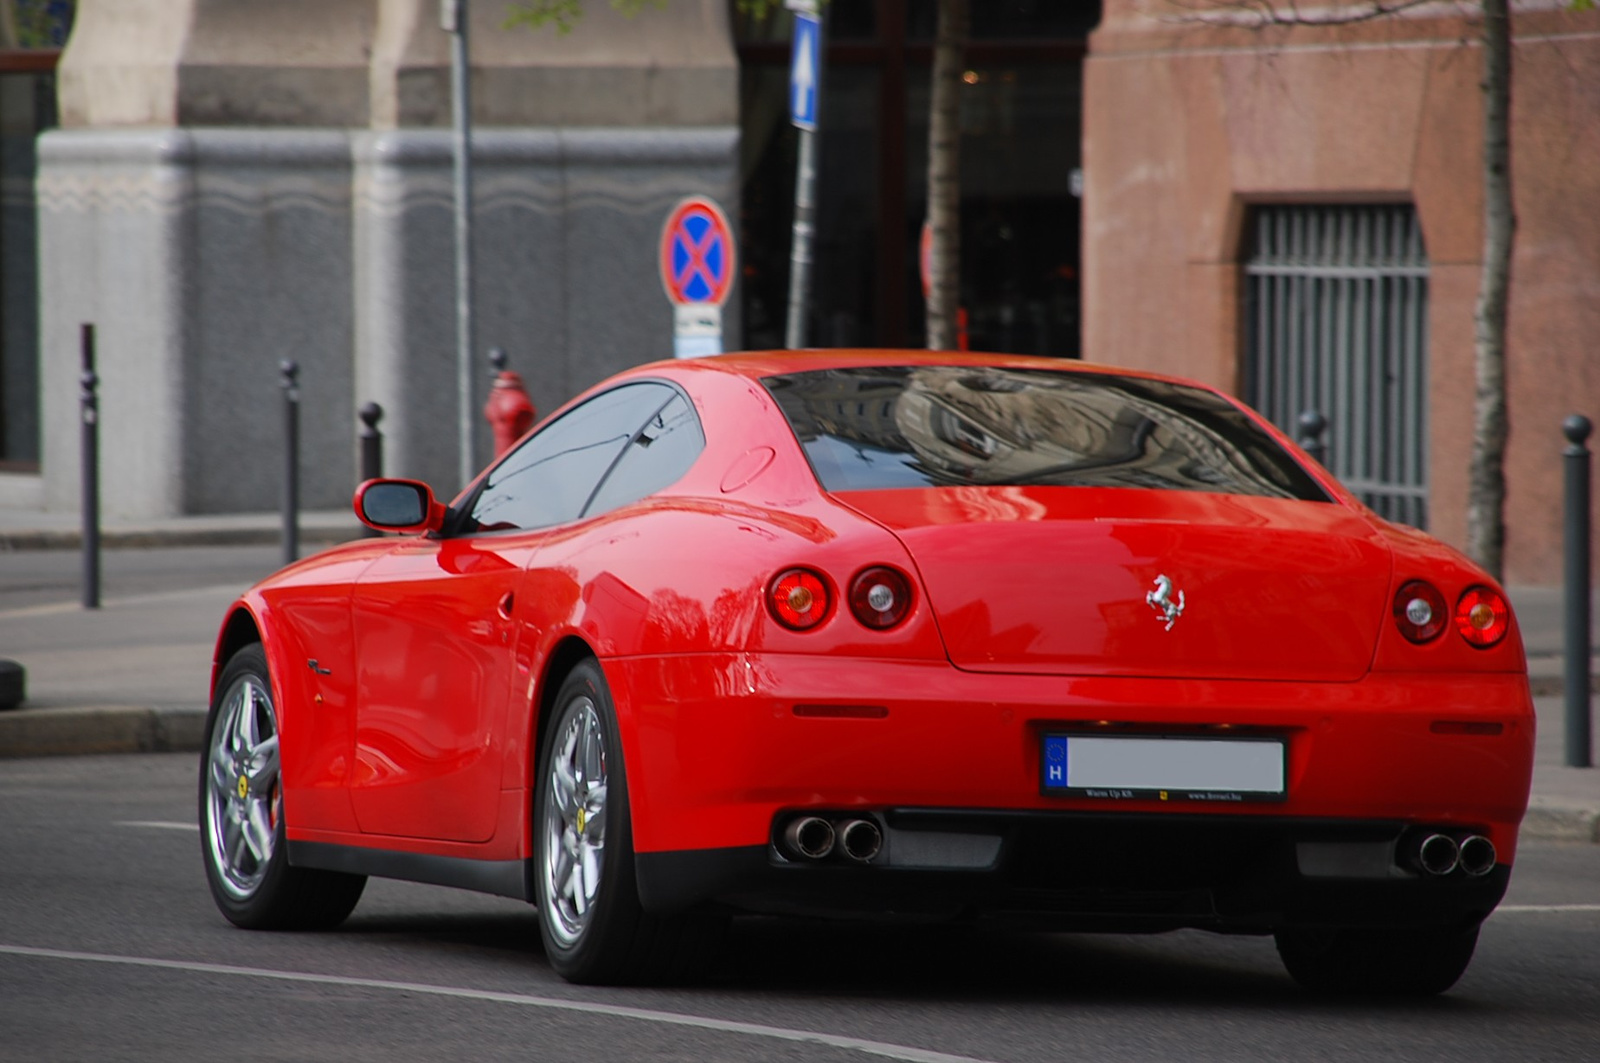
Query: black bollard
point(1576, 460)
point(371, 448)
point(89, 403)
point(1312, 425)
point(291, 467)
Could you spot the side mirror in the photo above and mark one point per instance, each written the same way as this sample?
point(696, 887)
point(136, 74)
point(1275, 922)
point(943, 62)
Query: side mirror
point(399, 506)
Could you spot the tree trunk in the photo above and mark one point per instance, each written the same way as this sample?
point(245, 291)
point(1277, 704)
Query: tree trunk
point(944, 176)
point(1486, 487)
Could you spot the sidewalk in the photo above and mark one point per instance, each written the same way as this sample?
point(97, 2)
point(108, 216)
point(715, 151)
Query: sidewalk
point(133, 676)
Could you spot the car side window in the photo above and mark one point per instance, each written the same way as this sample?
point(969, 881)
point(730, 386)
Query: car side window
point(657, 457)
point(549, 479)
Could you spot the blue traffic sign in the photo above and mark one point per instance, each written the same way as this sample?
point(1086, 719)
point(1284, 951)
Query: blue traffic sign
point(804, 63)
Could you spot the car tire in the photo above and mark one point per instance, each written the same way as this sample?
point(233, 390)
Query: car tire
point(1377, 961)
point(242, 837)
point(595, 931)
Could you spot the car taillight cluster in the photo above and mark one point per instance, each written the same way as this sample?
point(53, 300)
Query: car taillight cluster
point(880, 597)
point(1481, 616)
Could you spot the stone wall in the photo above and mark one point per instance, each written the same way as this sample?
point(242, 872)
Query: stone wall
point(237, 183)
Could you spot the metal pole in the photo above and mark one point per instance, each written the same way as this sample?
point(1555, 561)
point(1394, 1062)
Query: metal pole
point(805, 209)
point(291, 467)
point(1576, 460)
point(805, 183)
point(89, 403)
point(453, 15)
point(1312, 425)
point(371, 449)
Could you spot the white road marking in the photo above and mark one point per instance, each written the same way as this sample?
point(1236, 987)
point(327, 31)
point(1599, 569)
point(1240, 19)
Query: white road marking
point(1548, 908)
point(668, 1018)
point(156, 824)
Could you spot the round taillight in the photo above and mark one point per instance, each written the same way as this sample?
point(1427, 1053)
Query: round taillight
point(1482, 617)
point(1420, 611)
point(798, 598)
point(880, 597)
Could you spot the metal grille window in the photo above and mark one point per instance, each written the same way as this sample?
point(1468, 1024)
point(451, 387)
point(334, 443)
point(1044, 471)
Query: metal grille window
point(1337, 321)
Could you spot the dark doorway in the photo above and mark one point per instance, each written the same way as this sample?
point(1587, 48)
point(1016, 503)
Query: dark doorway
point(1021, 138)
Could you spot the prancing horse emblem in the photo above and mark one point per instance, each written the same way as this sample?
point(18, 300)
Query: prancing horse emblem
point(1161, 601)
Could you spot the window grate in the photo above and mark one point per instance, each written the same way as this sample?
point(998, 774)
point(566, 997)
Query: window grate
point(1336, 305)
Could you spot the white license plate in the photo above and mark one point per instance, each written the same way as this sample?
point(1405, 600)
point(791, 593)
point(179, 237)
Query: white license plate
point(1163, 768)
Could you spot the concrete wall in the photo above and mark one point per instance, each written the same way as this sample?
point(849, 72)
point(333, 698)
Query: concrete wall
point(565, 267)
point(1187, 125)
point(237, 183)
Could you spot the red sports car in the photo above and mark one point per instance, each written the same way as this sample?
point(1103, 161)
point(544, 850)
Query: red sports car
point(915, 635)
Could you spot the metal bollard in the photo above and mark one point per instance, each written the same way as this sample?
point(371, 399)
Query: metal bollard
point(1575, 458)
point(291, 469)
point(89, 407)
point(1312, 425)
point(371, 449)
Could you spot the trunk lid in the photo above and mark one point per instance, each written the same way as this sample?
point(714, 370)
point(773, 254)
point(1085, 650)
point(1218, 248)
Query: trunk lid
point(1070, 580)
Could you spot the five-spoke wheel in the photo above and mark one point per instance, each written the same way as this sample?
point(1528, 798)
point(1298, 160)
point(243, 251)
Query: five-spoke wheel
point(575, 819)
point(594, 928)
point(242, 799)
point(242, 813)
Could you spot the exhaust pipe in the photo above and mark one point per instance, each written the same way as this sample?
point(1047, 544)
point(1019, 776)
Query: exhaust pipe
point(1477, 855)
point(1438, 854)
point(860, 839)
point(809, 836)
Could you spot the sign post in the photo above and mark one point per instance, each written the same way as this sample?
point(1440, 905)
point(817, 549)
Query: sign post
point(698, 263)
point(805, 99)
point(453, 19)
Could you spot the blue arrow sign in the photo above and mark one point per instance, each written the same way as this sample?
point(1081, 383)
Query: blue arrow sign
point(803, 59)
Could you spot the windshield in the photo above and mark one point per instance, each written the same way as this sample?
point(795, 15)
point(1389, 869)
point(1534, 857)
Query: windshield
point(929, 426)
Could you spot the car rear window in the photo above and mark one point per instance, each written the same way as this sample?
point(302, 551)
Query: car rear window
point(930, 426)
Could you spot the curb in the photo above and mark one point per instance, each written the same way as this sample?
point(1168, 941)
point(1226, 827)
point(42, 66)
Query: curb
point(1555, 687)
point(100, 729)
point(1548, 821)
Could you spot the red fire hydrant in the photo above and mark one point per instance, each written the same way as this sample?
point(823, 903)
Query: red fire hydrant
point(509, 411)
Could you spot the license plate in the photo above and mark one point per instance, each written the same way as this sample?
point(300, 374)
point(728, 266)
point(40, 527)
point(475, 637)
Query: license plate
point(1163, 767)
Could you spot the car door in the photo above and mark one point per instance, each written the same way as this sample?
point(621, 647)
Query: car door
point(436, 624)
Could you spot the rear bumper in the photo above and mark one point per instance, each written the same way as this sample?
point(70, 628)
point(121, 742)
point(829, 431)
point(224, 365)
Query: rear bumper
point(1096, 872)
point(719, 747)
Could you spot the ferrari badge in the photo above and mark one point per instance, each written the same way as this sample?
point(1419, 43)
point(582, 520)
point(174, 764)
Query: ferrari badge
point(1161, 601)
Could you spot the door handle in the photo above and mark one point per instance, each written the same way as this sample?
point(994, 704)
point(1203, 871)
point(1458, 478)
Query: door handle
point(507, 602)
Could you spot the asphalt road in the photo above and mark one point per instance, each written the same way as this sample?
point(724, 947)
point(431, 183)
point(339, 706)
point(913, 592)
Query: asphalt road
point(110, 949)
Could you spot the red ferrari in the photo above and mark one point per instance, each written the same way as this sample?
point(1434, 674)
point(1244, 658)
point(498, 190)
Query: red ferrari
point(907, 635)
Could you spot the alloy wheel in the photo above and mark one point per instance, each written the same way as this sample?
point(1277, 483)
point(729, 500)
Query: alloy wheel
point(243, 797)
point(575, 820)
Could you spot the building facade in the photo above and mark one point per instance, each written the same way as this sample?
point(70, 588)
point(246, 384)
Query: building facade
point(1293, 213)
point(1296, 214)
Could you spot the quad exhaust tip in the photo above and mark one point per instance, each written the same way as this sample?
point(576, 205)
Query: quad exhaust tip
point(860, 839)
point(1438, 854)
point(1441, 854)
point(817, 837)
point(809, 836)
point(1477, 855)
